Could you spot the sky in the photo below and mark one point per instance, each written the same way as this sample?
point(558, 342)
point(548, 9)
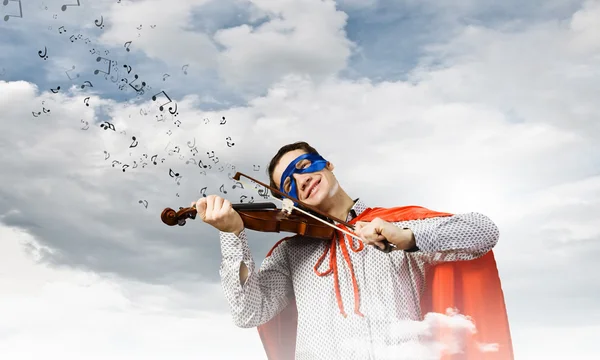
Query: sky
point(457, 106)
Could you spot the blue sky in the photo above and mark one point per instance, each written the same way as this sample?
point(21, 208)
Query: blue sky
point(452, 105)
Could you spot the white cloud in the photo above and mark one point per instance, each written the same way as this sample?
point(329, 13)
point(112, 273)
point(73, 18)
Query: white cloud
point(62, 313)
point(300, 37)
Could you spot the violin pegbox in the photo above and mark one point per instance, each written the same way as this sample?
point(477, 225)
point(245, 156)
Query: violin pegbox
point(287, 206)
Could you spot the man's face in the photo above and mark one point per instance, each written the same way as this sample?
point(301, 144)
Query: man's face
point(313, 187)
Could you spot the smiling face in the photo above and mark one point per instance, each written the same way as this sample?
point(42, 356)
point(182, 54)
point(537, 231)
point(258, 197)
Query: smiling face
point(313, 188)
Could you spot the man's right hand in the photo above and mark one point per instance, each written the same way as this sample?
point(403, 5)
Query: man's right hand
point(218, 212)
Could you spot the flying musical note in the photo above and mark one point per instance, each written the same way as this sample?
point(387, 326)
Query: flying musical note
point(222, 189)
point(126, 45)
point(44, 55)
point(143, 202)
point(134, 143)
point(161, 107)
point(101, 23)
point(6, 17)
point(64, 7)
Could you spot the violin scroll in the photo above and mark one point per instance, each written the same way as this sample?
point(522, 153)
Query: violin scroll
point(172, 217)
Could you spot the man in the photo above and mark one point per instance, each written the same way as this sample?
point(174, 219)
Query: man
point(385, 288)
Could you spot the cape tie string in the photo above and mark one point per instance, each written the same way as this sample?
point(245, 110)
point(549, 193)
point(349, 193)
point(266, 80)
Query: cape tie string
point(333, 268)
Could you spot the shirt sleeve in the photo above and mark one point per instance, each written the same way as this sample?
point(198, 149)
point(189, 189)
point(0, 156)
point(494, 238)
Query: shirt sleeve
point(453, 238)
point(265, 293)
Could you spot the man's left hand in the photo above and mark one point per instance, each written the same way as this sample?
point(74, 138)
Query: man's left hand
point(374, 232)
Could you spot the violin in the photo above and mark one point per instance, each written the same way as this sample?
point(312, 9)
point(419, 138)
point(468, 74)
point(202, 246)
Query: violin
point(267, 217)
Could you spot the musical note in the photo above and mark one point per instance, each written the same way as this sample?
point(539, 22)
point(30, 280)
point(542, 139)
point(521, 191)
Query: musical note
point(165, 76)
point(100, 71)
point(105, 153)
point(62, 30)
point(86, 101)
point(222, 189)
point(127, 67)
point(206, 121)
point(107, 126)
point(173, 112)
point(215, 160)
point(237, 184)
point(162, 118)
point(229, 143)
point(89, 84)
point(44, 55)
point(161, 107)
point(203, 191)
point(87, 126)
point(100, 24)
point(255, 167)
point(242, 198)
point(153, 158)
point(64, 7)
point(72, 38)
point(194, 151)
point(177, 122)
point(191, 159)
point(67, 72)
point(209, 154)
point(189, 143)
point(20, 10)
point(171, 152)
point(143, 202)
point(201, 164)
point(55, 90)
point(135, 88)
point(115, 162)
point(184, 68)
point(223, 121)
point(38, 113)
point(173, 174)
point(134, 142)
point(126, 45)
point(124, 167)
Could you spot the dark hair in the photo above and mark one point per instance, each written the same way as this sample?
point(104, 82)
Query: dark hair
point(300, 145)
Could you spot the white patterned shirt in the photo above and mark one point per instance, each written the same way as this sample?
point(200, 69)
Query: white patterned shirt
point(390, 284)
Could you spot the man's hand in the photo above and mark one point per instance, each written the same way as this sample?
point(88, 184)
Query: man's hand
point(219, 213)
point(374, 232)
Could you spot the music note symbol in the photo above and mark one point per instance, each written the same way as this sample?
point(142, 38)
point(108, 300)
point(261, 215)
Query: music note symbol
point(143, 202)
point(256, 167)
point(184, 68)
point(203, 191)
point(20, 10)
point(127, 44)
point(64, 7)
point(161, 107)
point(100, 24)
point(44, 55)
point(86, 101)
point(100, 71)
point(222, 189)
point(134, 143)
point(62, 30)
point(223, 121)
point(229, 143)
point(173, 174)
point(55, 90)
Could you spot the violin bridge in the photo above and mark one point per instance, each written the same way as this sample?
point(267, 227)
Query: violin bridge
point(287, 206)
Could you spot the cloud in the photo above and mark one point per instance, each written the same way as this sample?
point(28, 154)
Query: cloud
point(74, 314)
point(418, 340)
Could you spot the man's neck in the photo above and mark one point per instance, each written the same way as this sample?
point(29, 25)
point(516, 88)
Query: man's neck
point(339, 205)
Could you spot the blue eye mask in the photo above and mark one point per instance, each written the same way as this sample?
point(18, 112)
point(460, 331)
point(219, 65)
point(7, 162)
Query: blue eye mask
point(316, 163)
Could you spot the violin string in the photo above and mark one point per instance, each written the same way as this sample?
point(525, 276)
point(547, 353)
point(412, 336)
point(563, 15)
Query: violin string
point(311, 215)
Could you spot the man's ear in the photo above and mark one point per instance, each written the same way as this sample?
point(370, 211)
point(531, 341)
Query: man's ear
point(330, 166)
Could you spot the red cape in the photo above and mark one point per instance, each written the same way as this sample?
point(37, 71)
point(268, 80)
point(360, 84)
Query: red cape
point(473, 287)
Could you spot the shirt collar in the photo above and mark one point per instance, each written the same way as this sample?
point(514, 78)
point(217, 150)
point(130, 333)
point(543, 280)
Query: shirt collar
point(357, 209)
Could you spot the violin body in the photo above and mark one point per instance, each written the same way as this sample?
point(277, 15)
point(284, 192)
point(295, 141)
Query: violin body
point(263, 217)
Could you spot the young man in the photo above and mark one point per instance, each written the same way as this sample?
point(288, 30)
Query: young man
point(384, 288)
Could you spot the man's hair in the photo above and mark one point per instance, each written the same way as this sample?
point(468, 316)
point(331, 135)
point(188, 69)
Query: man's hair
point(302, 145)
